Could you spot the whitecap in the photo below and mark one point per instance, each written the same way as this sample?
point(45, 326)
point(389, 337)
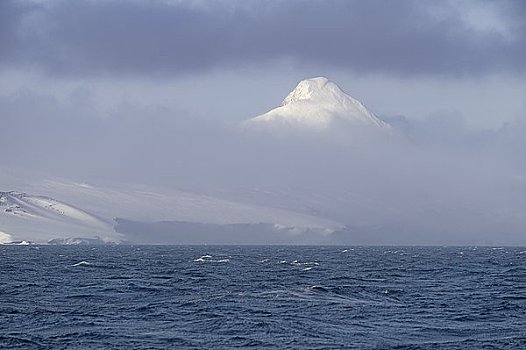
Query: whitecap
point(81, 263)
point(202, 258)
point(315, 288)
point(207, 258)
point(299, 263)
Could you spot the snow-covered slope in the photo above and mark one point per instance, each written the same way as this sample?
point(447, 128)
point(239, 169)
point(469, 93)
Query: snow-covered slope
point(41, 218)
point(317, 104)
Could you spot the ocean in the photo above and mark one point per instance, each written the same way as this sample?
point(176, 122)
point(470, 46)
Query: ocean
point(276, 297)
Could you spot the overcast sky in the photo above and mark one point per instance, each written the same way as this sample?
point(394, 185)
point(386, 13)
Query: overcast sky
point(151, 91)
point(412, 58)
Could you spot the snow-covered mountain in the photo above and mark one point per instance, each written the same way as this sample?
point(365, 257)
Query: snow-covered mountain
point(317, 104)
point(40, 218)
point(90, 212)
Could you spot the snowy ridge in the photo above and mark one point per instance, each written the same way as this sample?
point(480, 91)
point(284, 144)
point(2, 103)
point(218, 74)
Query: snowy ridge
point(160, 204)
point(318, 103)
point(42, 218)
point(45, 208)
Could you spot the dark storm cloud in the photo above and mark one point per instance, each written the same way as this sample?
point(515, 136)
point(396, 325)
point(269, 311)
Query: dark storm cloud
point(11, 15)
point(140, 37)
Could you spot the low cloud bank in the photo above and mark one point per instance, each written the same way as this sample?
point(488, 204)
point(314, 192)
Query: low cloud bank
point(429, 182)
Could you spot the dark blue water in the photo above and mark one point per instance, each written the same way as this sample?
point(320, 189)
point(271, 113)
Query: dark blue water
point(151, 297)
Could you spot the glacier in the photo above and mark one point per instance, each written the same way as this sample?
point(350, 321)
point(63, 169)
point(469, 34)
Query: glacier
point(87, 213)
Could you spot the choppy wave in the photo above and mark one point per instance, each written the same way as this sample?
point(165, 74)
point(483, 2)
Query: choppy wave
point(264, 297)
point(210, 258)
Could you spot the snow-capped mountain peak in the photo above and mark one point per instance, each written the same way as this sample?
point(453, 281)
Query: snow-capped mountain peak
point(311, 88)
point(317, 103)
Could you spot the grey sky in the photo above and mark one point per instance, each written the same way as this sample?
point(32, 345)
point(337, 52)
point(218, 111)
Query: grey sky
point(404, 38)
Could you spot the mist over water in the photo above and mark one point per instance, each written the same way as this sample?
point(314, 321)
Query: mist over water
point(421, 179)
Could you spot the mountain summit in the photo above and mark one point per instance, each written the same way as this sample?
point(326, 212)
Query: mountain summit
point(317, 103)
